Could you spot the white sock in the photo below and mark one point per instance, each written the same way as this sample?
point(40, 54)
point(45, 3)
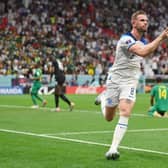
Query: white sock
point(119, 133)
point(103, 103)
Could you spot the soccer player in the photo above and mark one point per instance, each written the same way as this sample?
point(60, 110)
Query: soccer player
point(58, 71)
point(37, 73)
point(123, 77)
point(159, 100)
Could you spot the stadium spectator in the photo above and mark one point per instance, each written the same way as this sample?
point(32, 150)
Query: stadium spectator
point(159, 99)
point(81, 31)
point(123, 77)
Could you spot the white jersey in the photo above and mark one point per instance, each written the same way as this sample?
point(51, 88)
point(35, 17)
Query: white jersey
point(126, 67)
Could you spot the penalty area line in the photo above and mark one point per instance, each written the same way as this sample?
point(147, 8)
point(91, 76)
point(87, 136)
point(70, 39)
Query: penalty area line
point(80, 141)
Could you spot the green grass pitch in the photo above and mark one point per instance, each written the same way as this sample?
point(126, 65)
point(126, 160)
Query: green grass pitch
point(41, 138)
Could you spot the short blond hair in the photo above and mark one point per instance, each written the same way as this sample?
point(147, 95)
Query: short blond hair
point(135, 14)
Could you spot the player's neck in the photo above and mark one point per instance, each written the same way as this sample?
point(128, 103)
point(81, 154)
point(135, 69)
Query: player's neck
point(138, 35)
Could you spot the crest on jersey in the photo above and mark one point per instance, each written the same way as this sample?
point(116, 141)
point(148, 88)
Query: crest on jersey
point(128, 41)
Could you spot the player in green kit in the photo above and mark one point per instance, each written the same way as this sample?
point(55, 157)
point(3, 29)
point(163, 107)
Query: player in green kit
point(159, 100)
point(37, 74)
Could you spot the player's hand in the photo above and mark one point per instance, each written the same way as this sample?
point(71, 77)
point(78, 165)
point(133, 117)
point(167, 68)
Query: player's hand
point(164, 34)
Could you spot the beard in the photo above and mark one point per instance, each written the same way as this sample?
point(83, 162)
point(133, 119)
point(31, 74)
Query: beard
point(142, 30)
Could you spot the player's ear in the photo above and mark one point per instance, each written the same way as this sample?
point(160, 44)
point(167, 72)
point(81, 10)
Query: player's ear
point(133, 21)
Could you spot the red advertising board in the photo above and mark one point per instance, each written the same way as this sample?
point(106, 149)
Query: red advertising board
point(83, 90)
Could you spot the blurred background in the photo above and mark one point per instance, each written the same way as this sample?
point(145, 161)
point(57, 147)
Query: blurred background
point(82, 34)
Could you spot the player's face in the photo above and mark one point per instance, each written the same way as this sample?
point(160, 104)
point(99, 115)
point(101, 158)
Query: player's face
point(141, 23)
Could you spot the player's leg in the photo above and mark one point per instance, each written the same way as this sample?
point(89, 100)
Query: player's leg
point(156, 114)
point(126, 103)
point(56, 97)
point(33, 96)
point(153, 112)
point(125, 107)
point(109, 101)
point(64, 98)
point(44, 102)
point(34, 100)
point(38, 97)
point(61, 91)
point(112, 153)
point(98, 98)
point(165, 115)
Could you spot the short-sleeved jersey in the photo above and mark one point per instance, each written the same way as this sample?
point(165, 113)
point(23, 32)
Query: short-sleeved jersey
point(59, 72)
point(37, 73)
point(160, 94)
point(126, 67)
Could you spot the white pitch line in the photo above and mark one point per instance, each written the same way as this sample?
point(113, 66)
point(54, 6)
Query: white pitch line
point(74, 110)
point(47, 108)
point(143, 150)
point(104, 132)
point(40, 108)
point(81, 141)
point(23, 107)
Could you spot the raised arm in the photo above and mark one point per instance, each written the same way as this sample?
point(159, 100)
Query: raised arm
point(145, 50)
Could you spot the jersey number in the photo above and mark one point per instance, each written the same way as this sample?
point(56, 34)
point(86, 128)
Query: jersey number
point(162, 93)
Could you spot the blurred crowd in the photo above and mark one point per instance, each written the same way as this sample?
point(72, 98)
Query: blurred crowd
point(83, 33)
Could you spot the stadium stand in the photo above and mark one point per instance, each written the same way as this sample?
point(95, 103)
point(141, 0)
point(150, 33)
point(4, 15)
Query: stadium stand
point(81, 32)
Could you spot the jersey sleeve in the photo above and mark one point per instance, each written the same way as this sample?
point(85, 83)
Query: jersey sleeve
point(152, 93)
point(127, 41)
